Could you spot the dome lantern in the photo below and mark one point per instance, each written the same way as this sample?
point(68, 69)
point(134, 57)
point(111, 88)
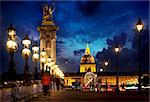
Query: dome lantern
point(87, 51)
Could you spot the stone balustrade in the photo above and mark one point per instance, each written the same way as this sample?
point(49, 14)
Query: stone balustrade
point(19, 92)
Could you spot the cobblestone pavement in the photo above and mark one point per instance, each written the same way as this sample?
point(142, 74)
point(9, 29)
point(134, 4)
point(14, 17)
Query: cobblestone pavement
point(78, 96)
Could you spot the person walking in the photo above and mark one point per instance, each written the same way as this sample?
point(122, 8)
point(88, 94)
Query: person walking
point(57, 83)
point(62, 85)
point(45, 82)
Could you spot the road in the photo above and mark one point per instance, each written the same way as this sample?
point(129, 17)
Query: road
point(78, 96)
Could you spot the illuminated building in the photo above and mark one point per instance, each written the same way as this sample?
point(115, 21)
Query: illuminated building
point(88, 65)
point(87, 62)
point(124, 78)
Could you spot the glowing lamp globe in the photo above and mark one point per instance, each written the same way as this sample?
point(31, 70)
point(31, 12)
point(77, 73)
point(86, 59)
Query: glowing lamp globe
point(43, 60)
point(55, 66)
point(12, 46)
point(48, 64)
point(25, 53)
point(49, 59)
point(117, 49)
point(26, 42)
point(101, 70)
point(43, 53)
point(139, 25)
point(52, 64)
point(106, 63)
point(35, 57)
point(35, 49)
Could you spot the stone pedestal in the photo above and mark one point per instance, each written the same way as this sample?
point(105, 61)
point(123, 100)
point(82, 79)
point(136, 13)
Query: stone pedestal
point(48, 39)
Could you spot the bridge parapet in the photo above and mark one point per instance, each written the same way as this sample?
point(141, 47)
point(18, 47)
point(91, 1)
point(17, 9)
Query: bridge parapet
point(13, 94)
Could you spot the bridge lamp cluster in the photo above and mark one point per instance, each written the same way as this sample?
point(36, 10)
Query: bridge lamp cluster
point(49, 65)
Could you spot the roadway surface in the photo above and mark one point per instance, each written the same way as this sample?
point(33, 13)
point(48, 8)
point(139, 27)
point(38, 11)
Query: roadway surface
point(78, 96)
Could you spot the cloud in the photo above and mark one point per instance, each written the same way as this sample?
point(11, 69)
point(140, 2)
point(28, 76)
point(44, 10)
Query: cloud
point(120, 39)
point(79, 52)
point(128, 58)
point(60, 42)
point(72, 65)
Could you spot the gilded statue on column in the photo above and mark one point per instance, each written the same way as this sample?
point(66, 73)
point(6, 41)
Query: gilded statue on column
point(48, 12)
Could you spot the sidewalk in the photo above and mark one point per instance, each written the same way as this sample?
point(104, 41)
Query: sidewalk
point(77, 96)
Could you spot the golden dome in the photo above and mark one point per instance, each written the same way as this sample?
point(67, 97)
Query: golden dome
point(87, 58)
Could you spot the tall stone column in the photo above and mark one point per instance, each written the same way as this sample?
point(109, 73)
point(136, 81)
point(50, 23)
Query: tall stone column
point(47, 32)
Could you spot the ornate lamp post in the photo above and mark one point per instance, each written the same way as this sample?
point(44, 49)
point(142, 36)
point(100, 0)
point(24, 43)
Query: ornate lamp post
point(59, 73)
point(26, 53)
point(117, 50)
point(42, 60)
point(49, 59)
point(52, 67)
point(12, 47)
point(35, 59)
point(106, 64)
point(139, 27)
point(101, 70)
point(55, 67)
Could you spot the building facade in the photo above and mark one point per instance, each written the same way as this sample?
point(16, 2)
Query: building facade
point(124, 78)
point(88, 72)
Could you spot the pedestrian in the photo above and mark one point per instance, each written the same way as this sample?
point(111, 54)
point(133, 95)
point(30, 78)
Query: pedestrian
point(62, 85)
point(45, 82)
point(57, 83)
point(96, 87)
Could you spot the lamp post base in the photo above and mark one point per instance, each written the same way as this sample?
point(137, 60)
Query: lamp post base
point(27, 75)
point(139, 85)
point(35, 74)
point(12, 74)
point(12, 69)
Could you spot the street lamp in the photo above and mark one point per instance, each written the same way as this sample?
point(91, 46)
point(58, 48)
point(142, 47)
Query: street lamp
point(35, 58)
point(106, 64)
point(49, 59)
point(42, 60)
point(12, 47)
point(139, 27)
point(117, 50)
point(26, 53)
point(43, 53)
point(101, 69)
point(52, 67)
